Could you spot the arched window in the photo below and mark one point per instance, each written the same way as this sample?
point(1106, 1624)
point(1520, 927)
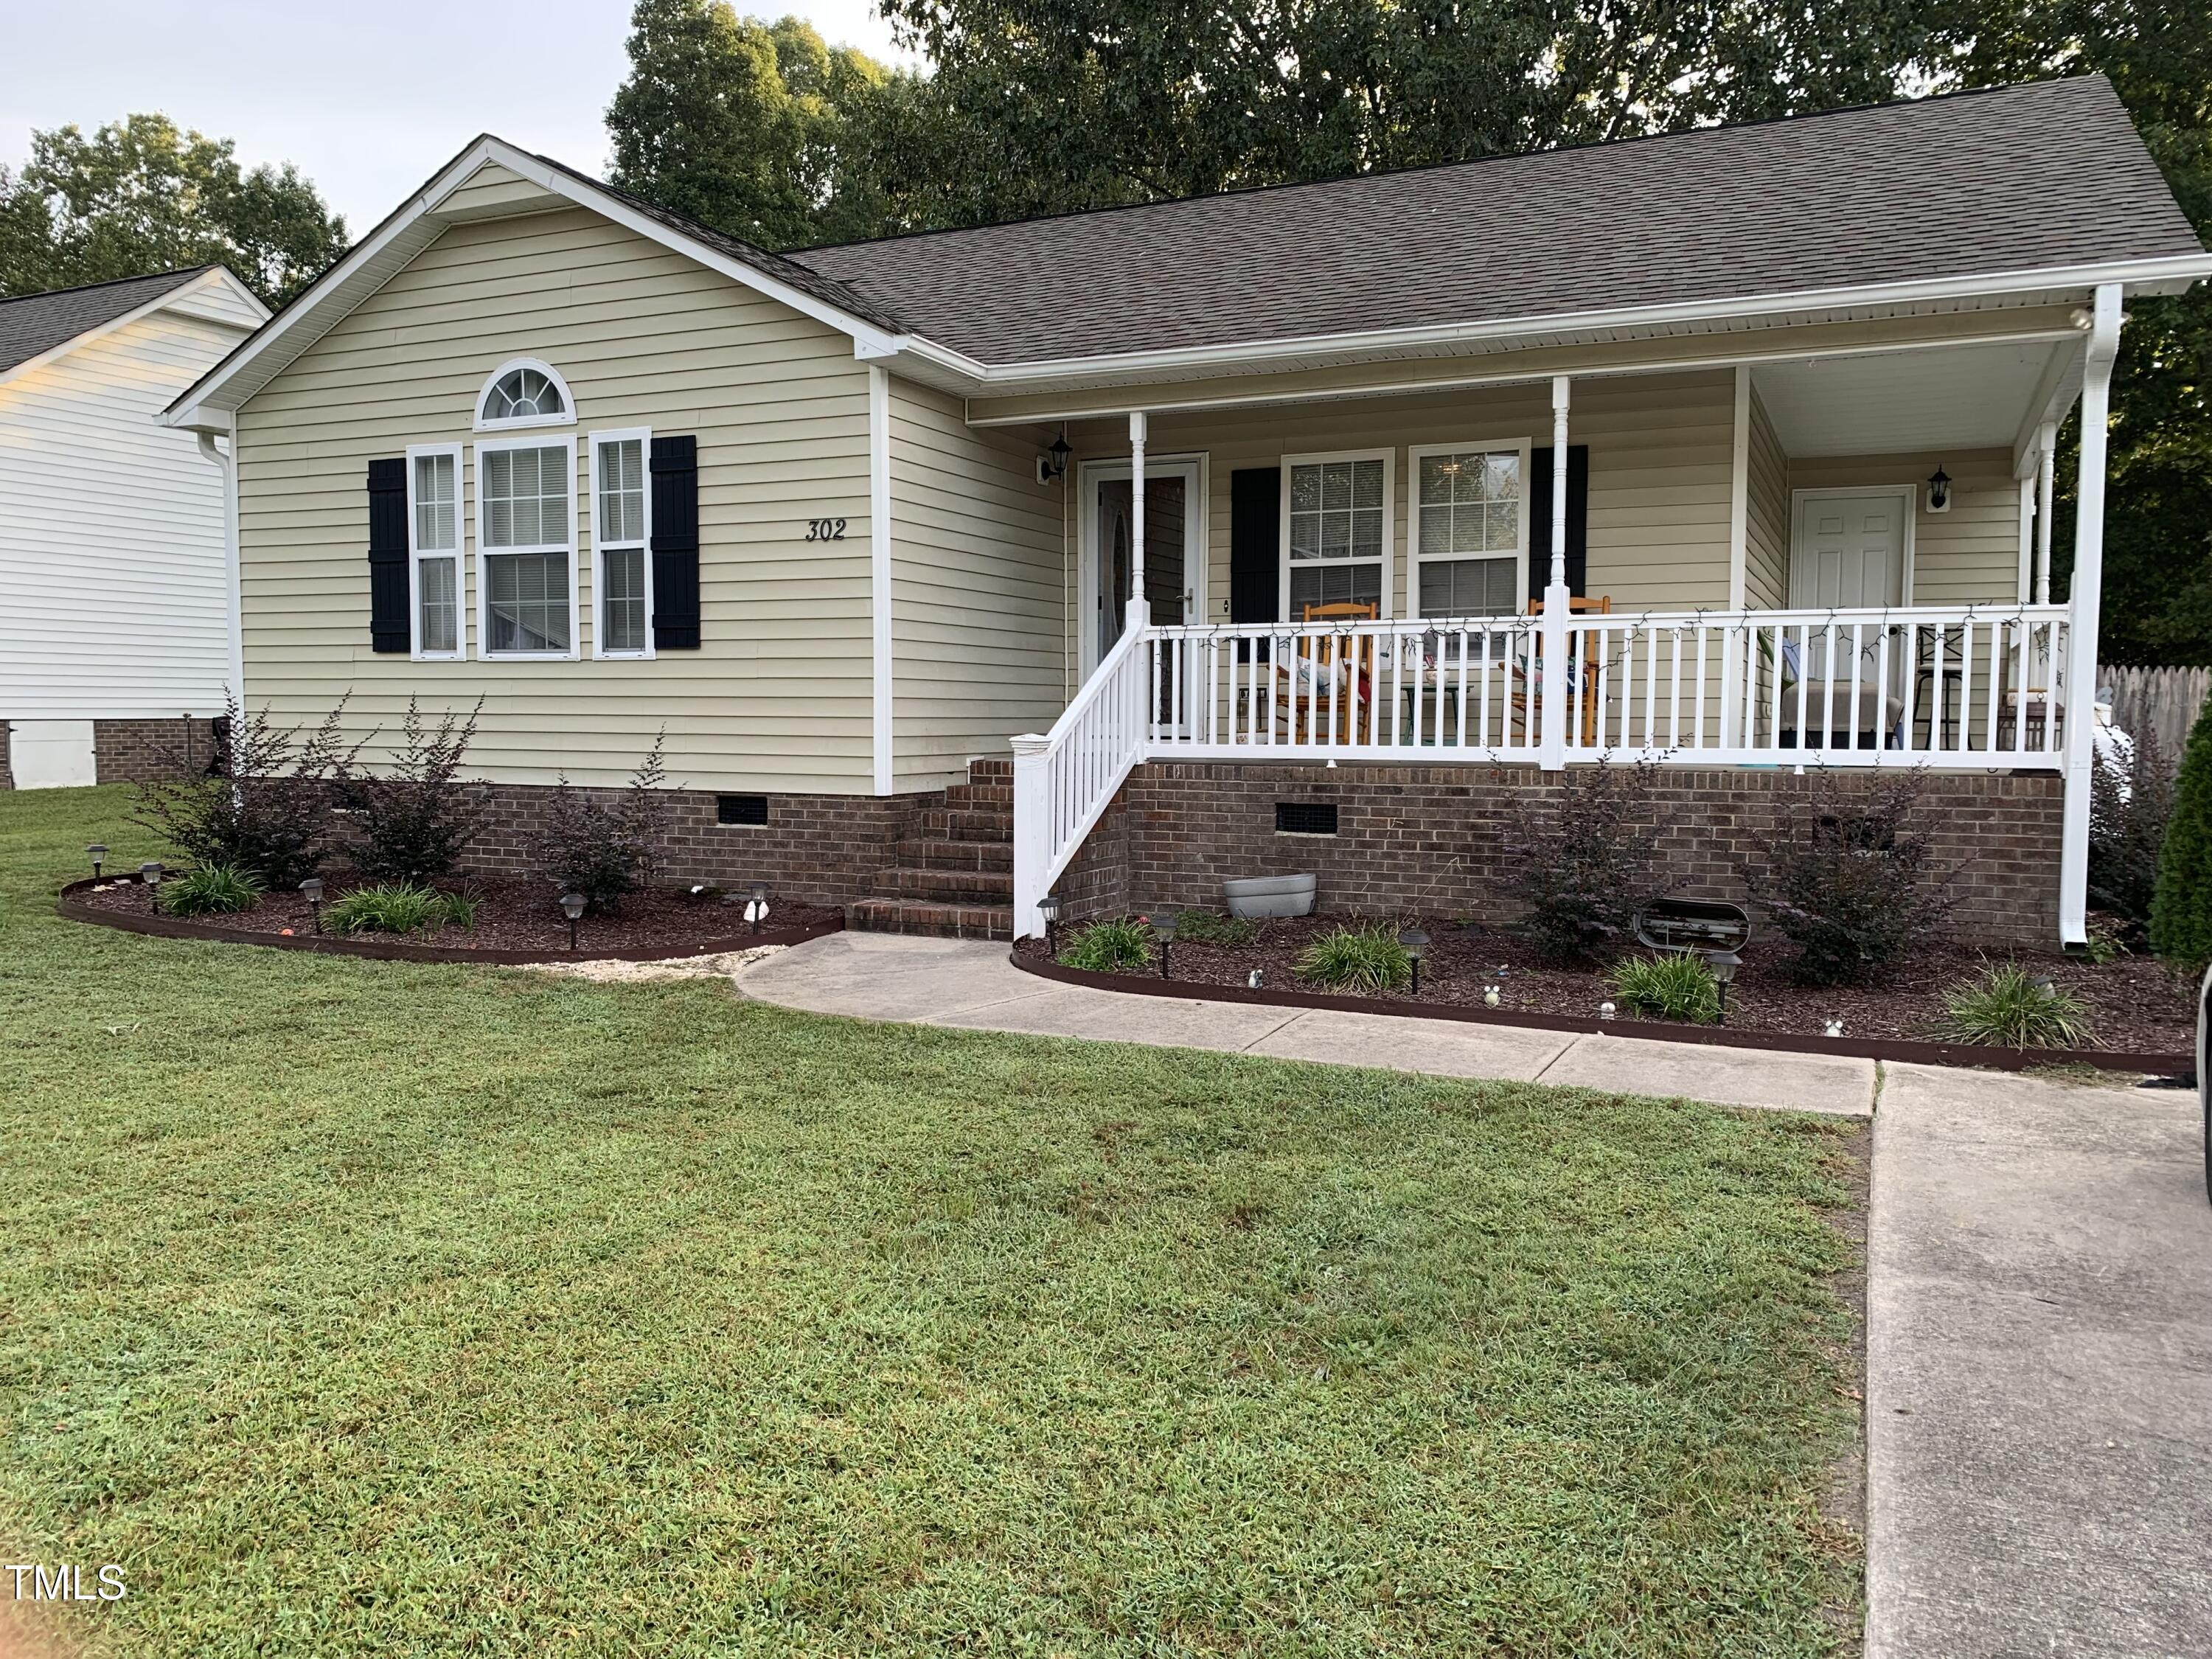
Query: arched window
point(525, 392)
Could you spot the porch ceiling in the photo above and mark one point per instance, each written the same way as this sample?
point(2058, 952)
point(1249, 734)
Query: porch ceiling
point(1968, 397)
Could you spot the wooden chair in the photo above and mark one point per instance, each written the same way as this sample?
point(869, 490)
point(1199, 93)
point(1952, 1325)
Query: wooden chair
point(1586, 675)
point(1328, 685)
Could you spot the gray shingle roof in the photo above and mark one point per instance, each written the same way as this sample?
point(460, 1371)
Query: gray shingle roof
point(2020, 178)
point(37, 323)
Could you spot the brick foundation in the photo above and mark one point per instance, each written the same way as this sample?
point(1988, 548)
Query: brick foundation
point(141, 751)
point(1432, 838)
point(818, 849)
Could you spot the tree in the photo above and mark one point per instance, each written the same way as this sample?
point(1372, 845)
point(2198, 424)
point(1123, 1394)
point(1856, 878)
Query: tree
point(140, 196)
point(2181, 907)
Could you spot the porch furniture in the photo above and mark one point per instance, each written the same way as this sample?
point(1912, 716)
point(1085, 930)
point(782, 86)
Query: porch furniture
point(1582, 669)
point(1839, 725)
point(1328, 683)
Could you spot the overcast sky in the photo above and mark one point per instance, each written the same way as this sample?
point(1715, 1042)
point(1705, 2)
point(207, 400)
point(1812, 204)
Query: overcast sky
point(368, 98)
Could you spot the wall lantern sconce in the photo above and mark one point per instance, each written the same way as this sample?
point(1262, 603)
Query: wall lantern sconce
point(572, 905)
point(1052, 465)
point(1164, 924)
point(1416, 944)
point(98, 854)
point(312, 890)
point(1049, 909)
point(1939, 491)
point(151, 873)
point(756, 906)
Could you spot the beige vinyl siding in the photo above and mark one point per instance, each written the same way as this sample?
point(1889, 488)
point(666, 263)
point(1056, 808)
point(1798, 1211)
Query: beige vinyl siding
point(1766, 542)
point(117, 591)
point(1660, 459)
point(492, 190)
point(779, 696)
point(976, 589)
point(1969, 555)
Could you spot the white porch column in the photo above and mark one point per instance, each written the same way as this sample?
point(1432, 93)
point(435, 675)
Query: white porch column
point(1141, 614)
point(1032, 829)
point(2083, 603)
point(1555, 696)
point(2046, 440)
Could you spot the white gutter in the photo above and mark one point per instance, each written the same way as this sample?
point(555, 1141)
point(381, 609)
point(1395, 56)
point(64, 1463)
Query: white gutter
point(232, 574)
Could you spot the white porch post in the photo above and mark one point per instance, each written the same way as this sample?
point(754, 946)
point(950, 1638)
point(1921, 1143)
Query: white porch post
point(2046, 440)
point(1554, 696)
point(1141, 614)
point(1032, 829)
point(2084, 597)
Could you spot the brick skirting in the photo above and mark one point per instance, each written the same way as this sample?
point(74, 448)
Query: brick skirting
point(818, 849)
point(141, 751)
point(1433, 838)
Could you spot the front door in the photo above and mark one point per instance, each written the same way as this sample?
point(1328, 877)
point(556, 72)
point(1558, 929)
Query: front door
point(1172, 554)
point(1848, 554)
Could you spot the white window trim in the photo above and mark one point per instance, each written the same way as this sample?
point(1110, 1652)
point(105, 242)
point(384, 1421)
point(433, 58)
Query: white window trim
point(1389, 459)
point(643, 434)
point(516, 424)
point(489, 446)
point(1415, 553)
point(458, 553)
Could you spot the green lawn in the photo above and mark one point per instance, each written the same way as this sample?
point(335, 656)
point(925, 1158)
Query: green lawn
point(366, 1307)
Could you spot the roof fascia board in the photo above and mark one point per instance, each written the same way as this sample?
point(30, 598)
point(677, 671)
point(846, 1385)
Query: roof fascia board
point(1592, 366)
point(193, 408)
point(159, 302)
point(1061, 373)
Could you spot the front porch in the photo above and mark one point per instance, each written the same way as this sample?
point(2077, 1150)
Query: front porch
point(1819, 555)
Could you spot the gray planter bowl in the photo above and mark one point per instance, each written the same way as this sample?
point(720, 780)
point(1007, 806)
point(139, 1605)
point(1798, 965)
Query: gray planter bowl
point(1270, 896)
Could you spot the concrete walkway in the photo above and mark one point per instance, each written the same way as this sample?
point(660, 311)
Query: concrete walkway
point(2040, 1370)
point(2039, 1287)
point(968, 984)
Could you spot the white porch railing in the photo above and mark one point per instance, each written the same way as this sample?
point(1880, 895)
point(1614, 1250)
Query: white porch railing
point(1970, 687)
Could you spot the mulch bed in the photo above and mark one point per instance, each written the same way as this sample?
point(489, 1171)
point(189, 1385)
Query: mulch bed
point(2134, 1004)
point(519, 915)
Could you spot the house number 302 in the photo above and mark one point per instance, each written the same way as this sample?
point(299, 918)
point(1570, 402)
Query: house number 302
point(825, 529)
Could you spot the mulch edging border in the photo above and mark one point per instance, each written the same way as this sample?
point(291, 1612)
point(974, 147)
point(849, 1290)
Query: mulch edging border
point(1897, 1049)
point(398, 950)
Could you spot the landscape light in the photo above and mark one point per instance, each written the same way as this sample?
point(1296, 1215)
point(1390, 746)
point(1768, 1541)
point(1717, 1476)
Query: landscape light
point(97, 853)
point(1724, 964)
point(151, 873)
point(1049, 908)
point(312, 890)
point(756, 906)
point(572, 905)
point(1416, 942)
point(1164, 924)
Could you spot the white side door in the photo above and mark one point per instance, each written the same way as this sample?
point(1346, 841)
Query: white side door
point(1848, 553)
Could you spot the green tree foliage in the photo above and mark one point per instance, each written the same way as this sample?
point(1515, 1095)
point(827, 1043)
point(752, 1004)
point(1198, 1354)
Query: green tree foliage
point(2181, 907)
point(140, 195)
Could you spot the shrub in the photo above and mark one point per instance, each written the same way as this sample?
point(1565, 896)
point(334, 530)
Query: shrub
point(601, 850)
point(1671, 986)
point(1211, 927)
point(1109, 947)
point(2181, 902)
point(1356, 959)
point(1588, 862)
point(415, 818)
point(211, 889)
point(271, 816)
point(1851, 879)
point(2007, 1006)
point(2131, 800)
point(389, 907)
point(461, 907)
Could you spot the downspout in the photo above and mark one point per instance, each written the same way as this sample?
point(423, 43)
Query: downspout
point(233, 582)
point(2084, 599)
point(884, 774)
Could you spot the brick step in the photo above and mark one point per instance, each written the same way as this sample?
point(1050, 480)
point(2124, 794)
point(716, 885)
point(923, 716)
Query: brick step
point(947, 886)
point(952, 823)
point(920, 855)
point(977, 797)
point(991, 771)
point(896, 915)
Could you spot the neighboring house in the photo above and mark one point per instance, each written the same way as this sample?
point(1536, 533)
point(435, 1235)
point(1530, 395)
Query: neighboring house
point(115, 640)
point(1773, 405)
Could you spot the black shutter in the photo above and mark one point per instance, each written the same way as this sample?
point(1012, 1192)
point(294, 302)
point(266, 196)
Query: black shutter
point(1539, 519)
point(1256, 549)
point(387, 555)
point(676, 543)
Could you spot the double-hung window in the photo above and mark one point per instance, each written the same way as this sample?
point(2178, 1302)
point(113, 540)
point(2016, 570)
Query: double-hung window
point(1470, 528)
point(434, 550)
point(1336, 532)
point(620, 533)
point(526, 547)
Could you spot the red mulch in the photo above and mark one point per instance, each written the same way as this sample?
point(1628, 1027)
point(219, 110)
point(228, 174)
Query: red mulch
point(2135, 1006)
point(519, 914)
